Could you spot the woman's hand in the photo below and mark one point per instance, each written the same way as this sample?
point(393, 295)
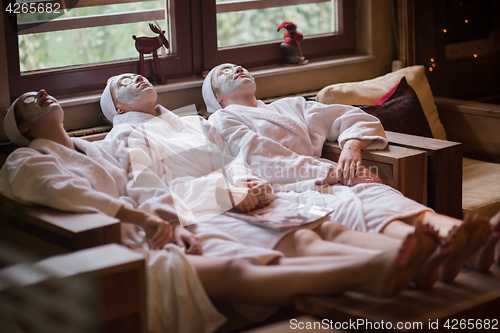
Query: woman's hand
point(186, 240)
point(349, 163)
point(331, 177)
point(248, 203)
point(350, 160)
point(159, 231)
point(366, 176)
point(262, 190)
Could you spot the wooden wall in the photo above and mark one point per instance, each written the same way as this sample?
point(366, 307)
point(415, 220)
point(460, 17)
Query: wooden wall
point(457, 73)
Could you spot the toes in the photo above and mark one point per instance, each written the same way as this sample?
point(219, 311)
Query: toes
point(431, 232)
point(406, 250)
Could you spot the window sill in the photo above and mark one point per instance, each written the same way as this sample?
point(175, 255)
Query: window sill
point(258, 73)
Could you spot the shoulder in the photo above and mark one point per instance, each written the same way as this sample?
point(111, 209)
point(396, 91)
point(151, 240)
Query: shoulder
point(22, 153)
point(290, 101)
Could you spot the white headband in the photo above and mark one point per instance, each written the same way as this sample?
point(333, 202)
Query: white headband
point(10, 127)
point(107, 105)
point(208, 93)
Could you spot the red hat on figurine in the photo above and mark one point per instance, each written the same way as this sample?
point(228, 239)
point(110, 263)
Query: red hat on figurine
point(287, 25)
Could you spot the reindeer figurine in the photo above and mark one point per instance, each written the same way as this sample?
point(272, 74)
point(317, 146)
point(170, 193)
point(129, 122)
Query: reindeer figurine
point(146, 45)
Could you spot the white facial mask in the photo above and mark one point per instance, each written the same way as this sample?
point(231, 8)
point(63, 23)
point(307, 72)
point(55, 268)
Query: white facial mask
point(34, 105)
point(224, 78)
point(128, 88)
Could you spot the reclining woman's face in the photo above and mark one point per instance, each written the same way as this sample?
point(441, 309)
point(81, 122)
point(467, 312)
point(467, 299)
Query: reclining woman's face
point(34, 105)
point(230, 77)
point(128, 88)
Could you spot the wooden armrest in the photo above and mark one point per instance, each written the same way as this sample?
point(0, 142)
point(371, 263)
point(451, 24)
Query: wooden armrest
point(48, 231)
point(444, 170)
point(110, 276)
point(401, 168)
point(476, 125)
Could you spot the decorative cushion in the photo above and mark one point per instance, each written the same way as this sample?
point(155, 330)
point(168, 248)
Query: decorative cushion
point(369, 91)
point(481, 181)
point(400, 111)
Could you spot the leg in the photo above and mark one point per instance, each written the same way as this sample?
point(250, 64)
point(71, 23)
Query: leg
point(423, 268)
point(159, 76)
point(460, 240)
point(239, 281)
point(141, 64)
point(489, 252)
point(428, 273)
point(306, 242)
point(409, 253)
point(334, 232)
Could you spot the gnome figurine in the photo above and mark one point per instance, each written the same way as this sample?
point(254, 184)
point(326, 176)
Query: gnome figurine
point(291, 44)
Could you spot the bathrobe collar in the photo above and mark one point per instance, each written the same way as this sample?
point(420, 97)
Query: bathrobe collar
point(269, 113)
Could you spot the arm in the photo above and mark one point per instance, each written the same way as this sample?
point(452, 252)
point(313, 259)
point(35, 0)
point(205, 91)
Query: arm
point(275, 163)
point(34, 178)
point(39, 179)
point(354, 129)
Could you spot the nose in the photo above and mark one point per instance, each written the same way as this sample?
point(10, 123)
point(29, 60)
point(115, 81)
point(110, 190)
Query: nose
point(239, 69)
point(41, 93)
point(139, 78)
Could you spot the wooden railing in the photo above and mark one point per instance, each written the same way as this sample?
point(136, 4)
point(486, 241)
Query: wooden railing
point(235, 6)
point(89, 21)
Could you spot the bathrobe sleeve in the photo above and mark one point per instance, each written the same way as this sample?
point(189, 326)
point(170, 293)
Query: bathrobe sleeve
point(340, 122)
point(236, 168)
point(187, 198)
point(283, 168)
point(31, 177)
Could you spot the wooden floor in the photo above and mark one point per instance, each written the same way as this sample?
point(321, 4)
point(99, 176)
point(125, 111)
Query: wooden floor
point(465, 304)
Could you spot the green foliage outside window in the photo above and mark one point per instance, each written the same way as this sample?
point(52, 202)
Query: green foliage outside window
point(109, 43)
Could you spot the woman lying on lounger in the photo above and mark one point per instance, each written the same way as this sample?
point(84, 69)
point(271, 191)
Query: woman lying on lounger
point(174, 150)
point(290, 133)
point(72, 174)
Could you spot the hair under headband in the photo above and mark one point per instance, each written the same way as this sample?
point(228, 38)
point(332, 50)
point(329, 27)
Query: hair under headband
point(208, 93)
point(107, 105)
point(10, 126)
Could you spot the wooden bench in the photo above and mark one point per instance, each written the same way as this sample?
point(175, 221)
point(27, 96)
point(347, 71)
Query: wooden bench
point(109, 276)
point(47, 231)
point(473, 131)
point(444, 170)
point(401, 168)
point(472, 297)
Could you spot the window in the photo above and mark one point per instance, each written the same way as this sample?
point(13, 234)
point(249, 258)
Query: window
point(244, 32)
point(90, 19)
point(92, 39)
point(84, 35)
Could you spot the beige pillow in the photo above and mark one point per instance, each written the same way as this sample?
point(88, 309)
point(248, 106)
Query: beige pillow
point(367, 92)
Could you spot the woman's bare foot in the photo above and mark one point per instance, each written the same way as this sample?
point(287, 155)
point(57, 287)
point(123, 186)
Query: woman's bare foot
point(428, 274)
point(483, 258)
point(463, 241)
point(393, 271)
point(495, 223)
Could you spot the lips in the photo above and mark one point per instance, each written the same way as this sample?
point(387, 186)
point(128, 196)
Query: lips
point(46, 101)
point(240, 75)
point(140, 85)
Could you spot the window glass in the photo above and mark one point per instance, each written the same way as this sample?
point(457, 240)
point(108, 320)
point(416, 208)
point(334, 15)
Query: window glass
point(259, 25)
point(68, 47)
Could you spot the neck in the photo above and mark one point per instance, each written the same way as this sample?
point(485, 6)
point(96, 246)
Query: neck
point(151, 109)
point(57, 134)
point(246, 99)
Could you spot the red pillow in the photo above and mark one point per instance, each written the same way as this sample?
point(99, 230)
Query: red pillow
point(400, 111)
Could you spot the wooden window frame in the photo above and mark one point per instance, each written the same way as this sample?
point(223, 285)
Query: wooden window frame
point(194, 25)
point(85, 78)
point(268, 53)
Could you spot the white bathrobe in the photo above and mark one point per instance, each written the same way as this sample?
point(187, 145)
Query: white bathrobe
point(283, 142)
point(178, 146)
point(52, 175)
point(179, 168)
